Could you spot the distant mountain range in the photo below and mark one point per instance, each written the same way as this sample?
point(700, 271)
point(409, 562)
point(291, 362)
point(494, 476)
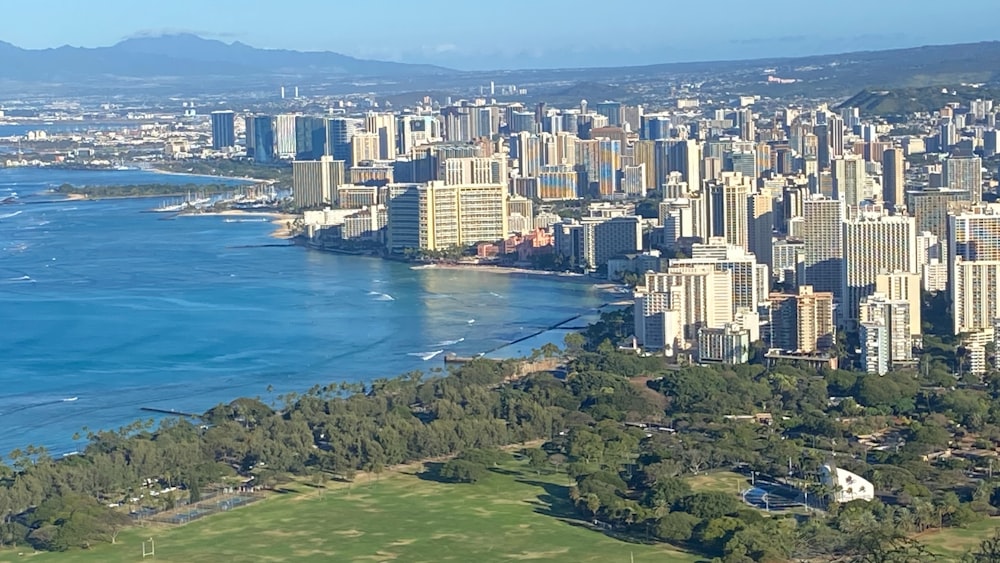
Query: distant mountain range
point(186, 56)
point(190, 64)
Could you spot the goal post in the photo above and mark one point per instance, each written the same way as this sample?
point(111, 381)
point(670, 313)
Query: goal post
point(148, 548)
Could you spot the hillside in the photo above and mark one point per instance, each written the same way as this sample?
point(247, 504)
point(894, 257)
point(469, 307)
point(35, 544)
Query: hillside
point(909, 100)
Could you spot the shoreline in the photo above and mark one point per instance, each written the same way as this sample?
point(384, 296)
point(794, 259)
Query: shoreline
point(279, 220)
point(512, 271)
point(233, 178)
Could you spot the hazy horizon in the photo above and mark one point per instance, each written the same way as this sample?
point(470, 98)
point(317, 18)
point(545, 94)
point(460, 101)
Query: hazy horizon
point(519, 34)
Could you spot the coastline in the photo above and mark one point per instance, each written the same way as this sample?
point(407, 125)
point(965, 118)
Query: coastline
point(233, 178)
point(511, 271)
point(278, 219)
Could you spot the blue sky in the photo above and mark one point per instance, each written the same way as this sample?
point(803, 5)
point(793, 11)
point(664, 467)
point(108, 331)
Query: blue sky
point(517, 33)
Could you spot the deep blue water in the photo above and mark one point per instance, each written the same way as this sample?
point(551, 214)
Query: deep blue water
point(122, 309)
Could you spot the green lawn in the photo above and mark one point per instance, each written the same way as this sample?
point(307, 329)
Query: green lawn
point(718, 482)
point(512, 516)
point(952, 543)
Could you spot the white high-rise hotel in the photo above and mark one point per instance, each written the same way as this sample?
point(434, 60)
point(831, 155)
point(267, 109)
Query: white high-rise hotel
point(874, 243)
point(974, 247)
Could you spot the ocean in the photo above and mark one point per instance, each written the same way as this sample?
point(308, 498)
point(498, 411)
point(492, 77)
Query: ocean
point(105, 309)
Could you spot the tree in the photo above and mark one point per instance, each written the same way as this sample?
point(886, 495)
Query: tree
point(988, 551)
point(537, 459)
point(574, 342)
point(676, 526)
point(709, 505)
point(463, 471)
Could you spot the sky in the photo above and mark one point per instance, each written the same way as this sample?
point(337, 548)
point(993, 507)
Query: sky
point(475, 34)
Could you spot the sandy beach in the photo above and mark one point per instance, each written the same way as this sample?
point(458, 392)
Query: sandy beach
point(234, 178)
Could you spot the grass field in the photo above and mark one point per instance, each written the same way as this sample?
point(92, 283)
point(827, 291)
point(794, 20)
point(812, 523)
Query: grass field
point(718, 482)
point(510, 516)
point(952, 543)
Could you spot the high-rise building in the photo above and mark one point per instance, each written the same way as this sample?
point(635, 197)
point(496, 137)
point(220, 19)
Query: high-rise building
point(836, 125)
point(964, 173)
point(523, 122)
point(634, 180)
point(310, 137)
point(223, 130)
point(339, 131)
point(672, 307)
point(974, 281)
point(383, 125)
point(263, 142)
point(893, 179)
point(655, 126)
point(728, 199)
point(284, 135)
point(460, 216)
point(729, 344)
point(884, 333)
point(612, 111)
point(608, 164)
point(848, 173)
point(760, 229)
point(750, 281)
point(315, 182)
point(557, 182)
point(787, 257)
point(824, 250)
point(874, 243)
point(931, 208)
point(903, 287)
point(364, 148)
point(947, 135)
point(403, 231)
point(590, 242)
point(475, 170)
point(802, 321)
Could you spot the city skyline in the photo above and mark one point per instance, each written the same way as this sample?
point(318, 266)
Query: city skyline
point(523, 37)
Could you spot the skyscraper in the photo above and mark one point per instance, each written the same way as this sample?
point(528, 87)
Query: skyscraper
point(339, 131)
point(884, 333)
point(824, 251)
point(315, 182)
point(750, 281)
point(728, 207)
point(802, 321)
point(964, 172)
point(611, 110)
point(848, 174)
point(284, 135)
point(760, 217)
point(384, 125)
point(672, 307)
point(974, 281)
point(310, 137)
point(893, 179)
point(364, 148)
point(223, 130)
point(608, 165)
point(264, 144)
point(874, 243)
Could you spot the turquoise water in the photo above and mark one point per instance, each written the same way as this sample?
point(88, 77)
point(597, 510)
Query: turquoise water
point(120, 309)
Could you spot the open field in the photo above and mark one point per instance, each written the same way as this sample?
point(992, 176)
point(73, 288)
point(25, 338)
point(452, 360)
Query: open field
point(509, 516)
point(952, 543)
point(718, 482)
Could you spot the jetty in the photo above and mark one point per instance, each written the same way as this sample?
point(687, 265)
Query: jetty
point(171, 412)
